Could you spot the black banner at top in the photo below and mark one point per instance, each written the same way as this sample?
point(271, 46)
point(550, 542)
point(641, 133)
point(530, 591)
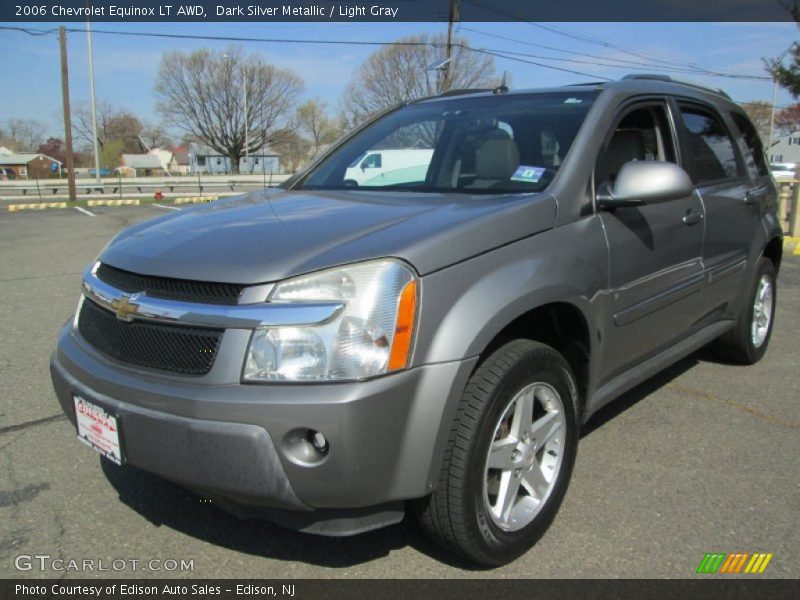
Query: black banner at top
point(393, 10)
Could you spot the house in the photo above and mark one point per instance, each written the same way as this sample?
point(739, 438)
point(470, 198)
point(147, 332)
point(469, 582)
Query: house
point(183, 161)
point(165, 157)
point(204, 159)
point(141, 165)
point(30, 165)
point(786, 149)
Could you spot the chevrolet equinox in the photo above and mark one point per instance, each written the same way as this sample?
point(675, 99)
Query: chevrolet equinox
point(430, 337)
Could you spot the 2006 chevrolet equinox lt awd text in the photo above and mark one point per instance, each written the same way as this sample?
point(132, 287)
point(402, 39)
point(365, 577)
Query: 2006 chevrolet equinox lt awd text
point(431, 337)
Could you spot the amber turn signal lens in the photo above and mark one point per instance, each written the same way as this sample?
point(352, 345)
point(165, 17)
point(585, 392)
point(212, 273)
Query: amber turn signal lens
point(404, 328)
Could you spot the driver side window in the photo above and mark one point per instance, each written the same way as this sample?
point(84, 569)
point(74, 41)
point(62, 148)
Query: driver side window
point(643, 133)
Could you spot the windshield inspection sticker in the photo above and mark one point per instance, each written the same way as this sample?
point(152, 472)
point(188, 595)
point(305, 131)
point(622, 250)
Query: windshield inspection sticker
point(526, 173)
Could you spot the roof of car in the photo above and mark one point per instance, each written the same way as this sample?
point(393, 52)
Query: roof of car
point(634, 84)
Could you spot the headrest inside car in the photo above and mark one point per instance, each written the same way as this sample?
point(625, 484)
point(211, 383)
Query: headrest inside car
point(625, 146)
point(496, 158)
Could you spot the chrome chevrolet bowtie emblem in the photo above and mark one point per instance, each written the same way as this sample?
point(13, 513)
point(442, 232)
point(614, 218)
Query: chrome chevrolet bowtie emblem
point(125, 307)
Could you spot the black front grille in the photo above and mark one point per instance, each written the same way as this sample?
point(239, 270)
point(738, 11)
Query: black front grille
point(187, 350)
point(172, 289)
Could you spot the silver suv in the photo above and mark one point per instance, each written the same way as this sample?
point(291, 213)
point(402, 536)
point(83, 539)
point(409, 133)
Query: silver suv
point(432, 336)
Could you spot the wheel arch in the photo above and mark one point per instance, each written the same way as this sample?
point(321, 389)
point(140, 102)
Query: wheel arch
point(774, 252)
point(561, 325)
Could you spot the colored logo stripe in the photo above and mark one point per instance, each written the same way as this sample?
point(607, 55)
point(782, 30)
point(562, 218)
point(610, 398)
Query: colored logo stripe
point(720, 562)
point(734, 562)
point(711, 563)
point(758, 563)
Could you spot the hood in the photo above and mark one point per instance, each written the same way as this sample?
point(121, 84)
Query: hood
point(273, 234)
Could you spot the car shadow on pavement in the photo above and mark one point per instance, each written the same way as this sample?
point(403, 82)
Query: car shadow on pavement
point(164, 503)
point(644, 389)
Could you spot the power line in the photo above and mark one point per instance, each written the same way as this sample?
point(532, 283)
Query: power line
point(218, 38)
point(489, 51)
point(552, 48)
point(499, 54)
point(623, 63)
point(587, 38)
point(598, 41)
point(504, 54)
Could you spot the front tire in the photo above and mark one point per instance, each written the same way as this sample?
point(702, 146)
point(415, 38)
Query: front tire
point(746, 343)
point(509, 458)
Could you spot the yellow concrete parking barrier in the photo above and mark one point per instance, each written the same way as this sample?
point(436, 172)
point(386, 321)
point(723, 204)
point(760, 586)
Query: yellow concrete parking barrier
point(111, 202)
point(194, 199)
point(36, 206)
point(791, 245)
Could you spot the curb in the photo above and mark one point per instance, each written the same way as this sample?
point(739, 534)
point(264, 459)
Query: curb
point(112, 202)
point(791, 245)
point(194, 199)
point(36, 206)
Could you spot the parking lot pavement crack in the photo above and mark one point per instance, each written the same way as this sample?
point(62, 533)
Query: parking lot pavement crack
point(682, 389)
point(21, 495)
point(34, 423)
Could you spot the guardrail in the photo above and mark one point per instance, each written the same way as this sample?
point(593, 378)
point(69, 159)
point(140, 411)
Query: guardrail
point(120, 185)
point(789, 205)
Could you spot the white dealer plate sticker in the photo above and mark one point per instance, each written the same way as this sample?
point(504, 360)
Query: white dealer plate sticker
point(98, 429)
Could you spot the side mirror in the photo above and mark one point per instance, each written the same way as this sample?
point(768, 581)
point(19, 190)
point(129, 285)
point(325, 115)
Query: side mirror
point(646, 182)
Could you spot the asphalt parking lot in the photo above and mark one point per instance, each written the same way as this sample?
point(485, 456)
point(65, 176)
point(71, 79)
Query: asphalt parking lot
point(703, 458)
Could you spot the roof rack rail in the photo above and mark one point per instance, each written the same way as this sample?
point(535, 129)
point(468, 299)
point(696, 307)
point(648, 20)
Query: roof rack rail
point(658, 77)
point(461, 92)
point(586, 84)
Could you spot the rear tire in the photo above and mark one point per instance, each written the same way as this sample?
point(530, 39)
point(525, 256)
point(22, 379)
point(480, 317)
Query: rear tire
point(747, 341)
point(509, 458)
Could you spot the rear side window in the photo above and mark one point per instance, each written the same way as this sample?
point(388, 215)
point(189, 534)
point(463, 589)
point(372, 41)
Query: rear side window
point(755, 158)
point(709, 145)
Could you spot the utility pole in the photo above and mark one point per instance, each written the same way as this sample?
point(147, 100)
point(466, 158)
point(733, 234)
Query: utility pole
point(246, 121)
point(772, 116)
point(62, 40)
point(94, 104)
point(454, 15)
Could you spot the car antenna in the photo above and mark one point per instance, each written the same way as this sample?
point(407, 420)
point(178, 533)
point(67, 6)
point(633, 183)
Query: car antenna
point(502, 88)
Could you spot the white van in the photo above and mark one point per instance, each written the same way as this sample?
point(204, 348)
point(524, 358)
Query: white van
point(375, 166)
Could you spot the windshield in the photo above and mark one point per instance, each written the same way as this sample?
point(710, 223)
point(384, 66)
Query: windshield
point(512, 143)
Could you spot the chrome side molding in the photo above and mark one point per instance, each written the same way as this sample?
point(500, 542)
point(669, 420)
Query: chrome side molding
point(130, 307)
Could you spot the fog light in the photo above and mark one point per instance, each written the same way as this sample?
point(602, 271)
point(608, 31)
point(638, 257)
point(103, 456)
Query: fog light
point(305, 447)
point(318, 441)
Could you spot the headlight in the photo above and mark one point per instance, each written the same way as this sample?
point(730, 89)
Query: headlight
point(370, 337)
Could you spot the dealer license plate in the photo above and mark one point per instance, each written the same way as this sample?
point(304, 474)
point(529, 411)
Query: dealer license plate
point(98, 429)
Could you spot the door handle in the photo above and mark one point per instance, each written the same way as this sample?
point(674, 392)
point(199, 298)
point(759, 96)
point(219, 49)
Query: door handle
point(754, 196)
point(692, 218)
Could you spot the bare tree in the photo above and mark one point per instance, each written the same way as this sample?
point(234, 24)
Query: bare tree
point(399, 73)
point(113, 125)
point(787, 121)
point(760, 114)
point(292, 148)
point(155, 135)
point(203, 94)
point(25, 134)
point(320, 129)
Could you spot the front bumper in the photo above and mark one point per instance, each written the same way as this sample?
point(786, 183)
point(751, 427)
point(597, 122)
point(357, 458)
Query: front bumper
point(386, 435)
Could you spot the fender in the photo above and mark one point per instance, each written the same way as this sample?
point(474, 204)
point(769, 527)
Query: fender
point(467, 305)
